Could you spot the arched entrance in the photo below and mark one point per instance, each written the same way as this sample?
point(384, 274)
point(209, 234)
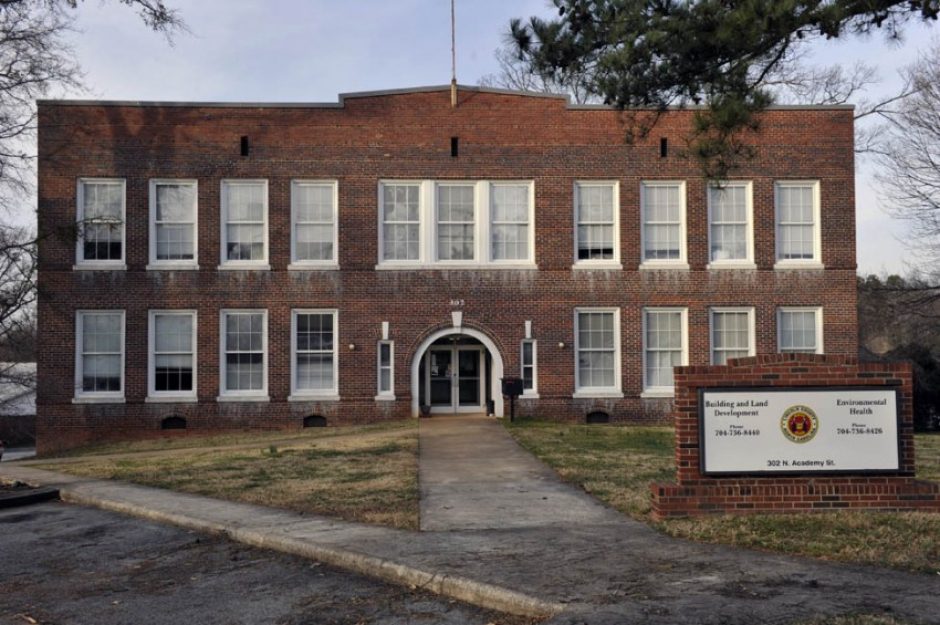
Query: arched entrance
point(456, 370)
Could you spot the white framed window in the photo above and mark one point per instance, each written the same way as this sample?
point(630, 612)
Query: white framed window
point(665, 345)
point(314, 366)
point(102, 218)
point(244, 355)
point(173, 224)
point(597, 352)
point(456, 223)
point(800, 329)
point(314, 229)
point(798, 223)
point(244, 224)
point(663, 228)
point(171, 355)
point(730, 225)
point(732, 333)
point(597, 223)
point(528, 364)
point(99, 355)
point(400, 207)
point(385, 367)
point(512, 236)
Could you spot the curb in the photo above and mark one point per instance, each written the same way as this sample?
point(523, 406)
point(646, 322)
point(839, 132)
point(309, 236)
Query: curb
point(27, 497)
point(456, 587)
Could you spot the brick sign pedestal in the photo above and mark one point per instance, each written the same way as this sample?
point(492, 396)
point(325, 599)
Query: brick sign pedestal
point(695, 493)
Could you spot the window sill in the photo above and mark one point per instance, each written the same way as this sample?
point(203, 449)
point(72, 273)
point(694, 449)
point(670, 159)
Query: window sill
point(658, 394)
point(529, 396)
point(457, 267)
point(796, 265)
point(664, 266)
point(730, 265)
point(599, 394)
point(242, 398)
point(99, 400)
point(312, 398)
point(168, 267)
point(157, 399)
point(252, 267)
point(385, 398)
point(99, 267)
point(597, 266)
point(301, 266)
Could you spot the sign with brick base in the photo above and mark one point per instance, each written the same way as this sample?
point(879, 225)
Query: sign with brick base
point(793, 433)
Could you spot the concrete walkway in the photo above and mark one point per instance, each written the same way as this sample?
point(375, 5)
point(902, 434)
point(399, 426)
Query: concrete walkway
point(18, 453)
point(581, 572)
point(473, 475)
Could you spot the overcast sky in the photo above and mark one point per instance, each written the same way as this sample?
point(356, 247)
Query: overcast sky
point(312, 50)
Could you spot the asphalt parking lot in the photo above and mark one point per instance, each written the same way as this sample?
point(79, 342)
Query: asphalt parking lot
point(63, 564)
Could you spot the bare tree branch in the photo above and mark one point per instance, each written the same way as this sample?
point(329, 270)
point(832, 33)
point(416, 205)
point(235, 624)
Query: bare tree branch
point(516, 75)
point(910, 160)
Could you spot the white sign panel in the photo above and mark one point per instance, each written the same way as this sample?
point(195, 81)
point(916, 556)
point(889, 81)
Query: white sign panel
point(798, 430)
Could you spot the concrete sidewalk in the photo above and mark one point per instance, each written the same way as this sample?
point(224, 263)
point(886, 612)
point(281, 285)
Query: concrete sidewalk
point(473, 475)
point(581, 573)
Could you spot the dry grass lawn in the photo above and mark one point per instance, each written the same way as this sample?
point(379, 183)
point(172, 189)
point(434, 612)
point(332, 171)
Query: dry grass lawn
point(367, 474)
point(616, 464)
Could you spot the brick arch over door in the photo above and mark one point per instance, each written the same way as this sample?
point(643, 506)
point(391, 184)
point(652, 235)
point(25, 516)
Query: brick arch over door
point(496, 372)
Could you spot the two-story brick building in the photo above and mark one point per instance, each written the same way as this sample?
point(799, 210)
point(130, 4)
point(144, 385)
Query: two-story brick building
point(276, 265)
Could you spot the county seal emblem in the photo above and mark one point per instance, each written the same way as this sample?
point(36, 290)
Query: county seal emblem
point(799, 424)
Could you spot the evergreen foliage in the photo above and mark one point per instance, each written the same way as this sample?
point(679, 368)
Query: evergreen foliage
point(661, 53)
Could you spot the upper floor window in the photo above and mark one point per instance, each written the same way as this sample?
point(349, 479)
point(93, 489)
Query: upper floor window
point(597, 223)
point(797, 208)
point(597, 352)
point(244, 370)
point(455, 223)
point(172, 371)
point(665, 346)
point(314, 238)
point(401, 221)
point(173, 219)
point(799, 330)
point(101, 223)
point(244, 224)
point(732, 333)
point(730, 229)
point(455, 214)
point(663, 228)
point(510, 222)
point(99, 355)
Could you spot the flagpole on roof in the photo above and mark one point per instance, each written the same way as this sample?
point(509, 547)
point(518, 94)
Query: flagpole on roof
point(453, 56)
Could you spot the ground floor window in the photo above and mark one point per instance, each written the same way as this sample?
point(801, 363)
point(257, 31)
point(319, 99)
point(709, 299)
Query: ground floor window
point(172, 353)
point(313, 353)
point(597, 349)
point(529, 382)
point(386, 369)
point(665, 345)
point(732, 333)
point(244, 349)
point(99, 366)
point(799, 330)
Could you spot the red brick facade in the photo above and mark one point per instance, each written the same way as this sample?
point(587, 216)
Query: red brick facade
point(695, 493)
point(408, 135)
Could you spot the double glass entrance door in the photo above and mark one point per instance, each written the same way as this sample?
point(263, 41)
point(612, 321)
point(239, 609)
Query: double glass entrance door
point(454, 379)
